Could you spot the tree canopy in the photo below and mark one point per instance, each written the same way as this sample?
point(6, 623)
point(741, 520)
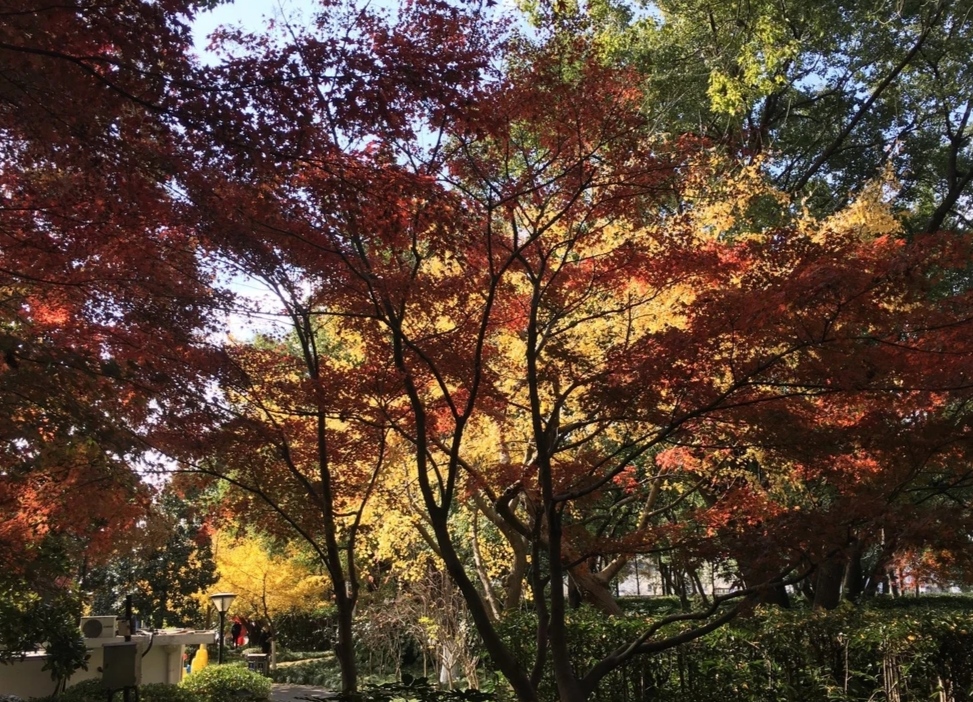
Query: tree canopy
point(829, 92)
point(686, 282)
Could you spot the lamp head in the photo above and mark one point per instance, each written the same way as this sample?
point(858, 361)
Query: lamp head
point(222, 600)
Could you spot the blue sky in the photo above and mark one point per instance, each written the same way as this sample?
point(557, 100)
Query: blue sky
point(250, 15)
point(254, 14)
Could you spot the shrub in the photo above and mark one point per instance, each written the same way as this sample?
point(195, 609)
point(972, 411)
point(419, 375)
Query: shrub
point(30, 618)
point(285, 656)
point(322, 672)
point(84, 691)
point(227, 683)
point(92, 691)
point(162, 692)
point(414, 690)
point(306, 630)
point(908, 650)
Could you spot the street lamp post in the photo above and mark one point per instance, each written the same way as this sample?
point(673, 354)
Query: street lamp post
point(222, 600)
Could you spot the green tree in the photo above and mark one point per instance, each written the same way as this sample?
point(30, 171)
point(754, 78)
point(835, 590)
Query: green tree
point(38, 610)
point(829, 93)
point(163, 570)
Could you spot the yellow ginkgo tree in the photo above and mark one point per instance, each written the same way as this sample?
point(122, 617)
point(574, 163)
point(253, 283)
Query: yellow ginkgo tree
point(267, 581)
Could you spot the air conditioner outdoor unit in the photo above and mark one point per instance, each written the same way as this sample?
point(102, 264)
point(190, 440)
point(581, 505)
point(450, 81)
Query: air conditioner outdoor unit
point(98, 627)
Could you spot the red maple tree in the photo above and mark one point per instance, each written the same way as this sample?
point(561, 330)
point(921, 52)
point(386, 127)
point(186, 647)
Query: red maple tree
point(517, 250)
point(101, 292)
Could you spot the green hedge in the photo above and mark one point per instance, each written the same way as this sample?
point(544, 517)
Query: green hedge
point(322, 672)
point(900, 653)
point(227, 683)
point(92, 691)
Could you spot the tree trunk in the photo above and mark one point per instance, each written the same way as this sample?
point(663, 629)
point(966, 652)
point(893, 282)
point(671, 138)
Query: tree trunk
point(666, 579)
point(593, 590)
point(568, 687)
point(697, 584)
point(854, 582)
point(591, 587)
point(575, 594)
point(481, 570)
point(774, 594)
point(511, 668)
point(827, 583)
point(514, 582)
point(807, 588)
point(514, 587)
point(345, 648)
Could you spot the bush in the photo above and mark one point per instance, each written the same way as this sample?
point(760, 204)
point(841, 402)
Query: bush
point(302, 630)
point(162, 692)
point(92, 691)
point(285, 656)
point(85, 691)
point(908, 651)
point(227, 683)
point(321, 672)
point(414, 690)
point(29, 618)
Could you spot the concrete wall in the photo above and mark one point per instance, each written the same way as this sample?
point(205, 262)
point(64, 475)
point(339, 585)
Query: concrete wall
point(161, 663)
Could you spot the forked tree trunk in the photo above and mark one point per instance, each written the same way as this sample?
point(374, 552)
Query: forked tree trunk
point(594, 591)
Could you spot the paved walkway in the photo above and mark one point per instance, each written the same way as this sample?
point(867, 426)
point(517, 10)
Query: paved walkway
point(285, 692)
